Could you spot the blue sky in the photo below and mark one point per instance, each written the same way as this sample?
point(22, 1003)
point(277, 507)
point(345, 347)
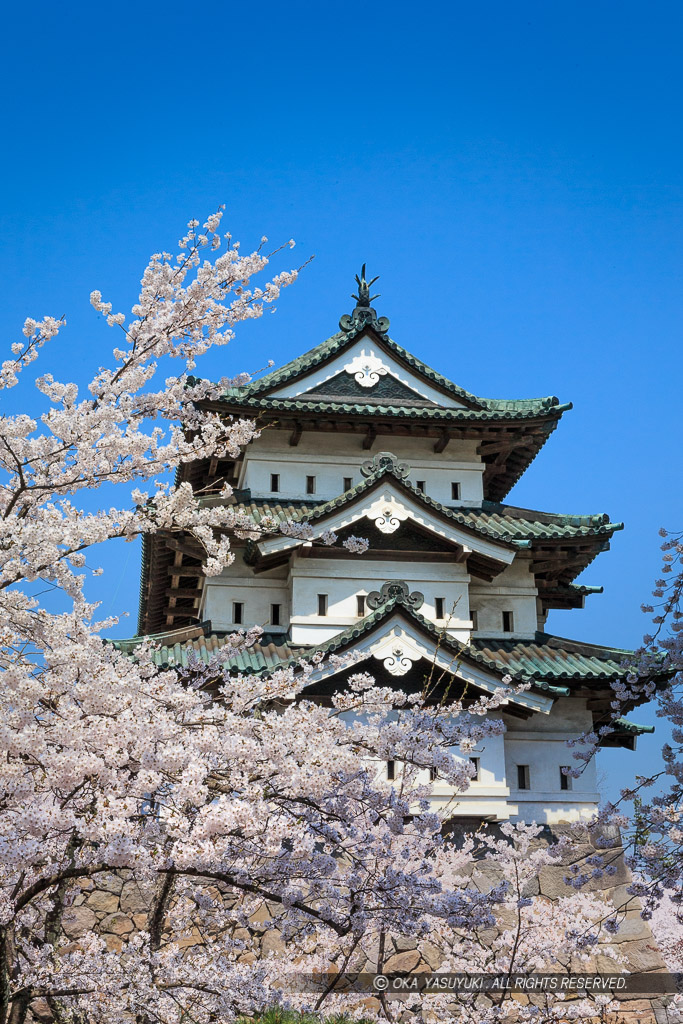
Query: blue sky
point(512, 170)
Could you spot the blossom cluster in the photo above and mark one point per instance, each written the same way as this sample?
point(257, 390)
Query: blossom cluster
point(231, 799)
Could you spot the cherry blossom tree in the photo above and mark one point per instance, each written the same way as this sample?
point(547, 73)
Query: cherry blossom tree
point(238, 808)
point(650, 810)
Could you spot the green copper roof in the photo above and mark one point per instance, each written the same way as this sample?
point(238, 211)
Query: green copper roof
point(547, 661)
point(256, 394)
point(506, 524)
point(503, 410)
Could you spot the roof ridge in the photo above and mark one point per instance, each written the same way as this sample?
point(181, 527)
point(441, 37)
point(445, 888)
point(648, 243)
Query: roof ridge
point(465, 516)
point(298, 366)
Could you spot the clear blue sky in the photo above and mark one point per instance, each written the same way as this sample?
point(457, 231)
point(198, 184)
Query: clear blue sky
point(512, 170)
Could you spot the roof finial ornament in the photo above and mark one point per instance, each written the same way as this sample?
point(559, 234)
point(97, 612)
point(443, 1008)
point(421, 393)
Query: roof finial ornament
point(364, 298)
point(364, 315)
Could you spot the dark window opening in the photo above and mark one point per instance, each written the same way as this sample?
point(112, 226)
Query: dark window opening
point(438, 607)
point(348, 483)
point(475, 762)
point(433, 775)
point(237, 612)
point(565, 780)
point(391, 770)
point(455, 491)
point(275, 615)
point(523, 781)
point(275, 482)
point(360, 604)
point(420, 484)
point(474, 618)
point(508, 622)
point(310, 485)
point(322, 604)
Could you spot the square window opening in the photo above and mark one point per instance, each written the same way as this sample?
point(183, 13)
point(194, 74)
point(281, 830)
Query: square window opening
point(420, 485)
point(348, 483)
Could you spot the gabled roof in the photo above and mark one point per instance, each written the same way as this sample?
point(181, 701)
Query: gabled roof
point(508, 527)
point(376, 329)
point(511, 432)
point(508, 524)
point(554, 666)
point(547, 661)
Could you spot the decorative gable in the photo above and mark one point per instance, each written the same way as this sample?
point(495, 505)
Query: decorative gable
point(366, 368)
point(368, 387)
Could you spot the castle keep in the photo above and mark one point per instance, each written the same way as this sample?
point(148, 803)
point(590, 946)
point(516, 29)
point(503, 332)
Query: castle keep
point(362, 439)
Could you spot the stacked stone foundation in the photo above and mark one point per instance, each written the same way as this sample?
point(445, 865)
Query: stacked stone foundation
point(114, 905)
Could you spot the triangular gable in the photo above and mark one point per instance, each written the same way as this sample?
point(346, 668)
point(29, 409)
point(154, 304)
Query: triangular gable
point(387, 389)
point(359, 368)
point(363, 338)
point(386, 501)
point(399, 638)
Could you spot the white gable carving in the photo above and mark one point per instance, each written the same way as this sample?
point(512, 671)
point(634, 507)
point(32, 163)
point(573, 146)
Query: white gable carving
point(367, 363)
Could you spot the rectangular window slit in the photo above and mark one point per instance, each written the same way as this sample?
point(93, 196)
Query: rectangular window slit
point(455, 491)
point(275, 482)
point(433, 775)
point(523, 776)
point(474, 618)
point(275, 615)
point(237, 612)
point(348, 483)
point(322, 604)
point(391, 770)
point(565, 780)
point(310, 485)
point(438, 607)
point(360, 604)
point(420, 484)
point(475, 762)
point(508, 622)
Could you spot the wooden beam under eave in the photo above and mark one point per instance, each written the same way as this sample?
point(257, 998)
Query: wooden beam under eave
point(369, 439)
point(441, 442)
point(175, 582)
point(295, 436)
point(193, 550)
point(182, 592)
point(185, 570)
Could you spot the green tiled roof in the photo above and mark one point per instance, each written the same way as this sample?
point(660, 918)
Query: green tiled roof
point(502, 410)
point(547, 661)
point(553, 657)
point(256, 394)
point(503, 523)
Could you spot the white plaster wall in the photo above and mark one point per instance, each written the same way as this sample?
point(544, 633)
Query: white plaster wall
point(488, 795)
point(343, 579)
point(331, 457)
point(330, 471)
point(257, 594)
point(541, 743)
point(512, 590)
